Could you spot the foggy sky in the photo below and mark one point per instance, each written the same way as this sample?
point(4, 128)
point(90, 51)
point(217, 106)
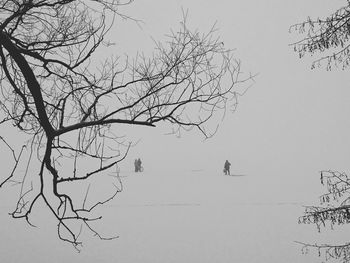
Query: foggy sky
point(293, 119)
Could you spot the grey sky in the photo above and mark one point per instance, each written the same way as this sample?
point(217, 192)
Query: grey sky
point(292, 120)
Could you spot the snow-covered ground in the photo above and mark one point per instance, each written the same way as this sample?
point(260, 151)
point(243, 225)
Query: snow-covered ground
point(194, 216)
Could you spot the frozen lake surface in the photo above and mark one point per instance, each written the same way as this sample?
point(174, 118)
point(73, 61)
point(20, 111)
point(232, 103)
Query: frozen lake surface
point(195, 216)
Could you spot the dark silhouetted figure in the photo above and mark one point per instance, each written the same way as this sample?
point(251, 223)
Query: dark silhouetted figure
point(138, 165)
point(227, 167)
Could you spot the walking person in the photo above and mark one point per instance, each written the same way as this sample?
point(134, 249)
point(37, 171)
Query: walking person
point(227, 167)
point(139, 165)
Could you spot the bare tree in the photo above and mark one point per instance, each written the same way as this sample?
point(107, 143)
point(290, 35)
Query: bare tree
point(334, 209)
point(336, 201)
point(328, 39)
point(53, 92)
point(329, 36)
point(340, 253)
